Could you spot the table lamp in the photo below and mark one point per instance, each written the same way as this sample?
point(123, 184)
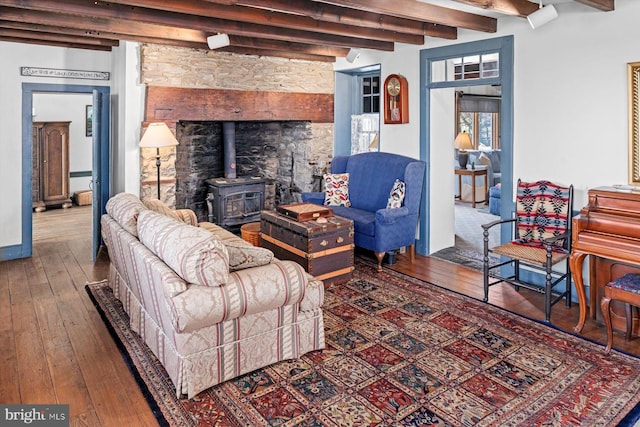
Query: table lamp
point(463, 143)
point(156, 136)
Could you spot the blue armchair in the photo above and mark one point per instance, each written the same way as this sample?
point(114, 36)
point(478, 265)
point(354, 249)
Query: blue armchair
point(371, 178)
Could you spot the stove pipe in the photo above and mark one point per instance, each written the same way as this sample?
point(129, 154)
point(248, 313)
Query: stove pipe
point(229, 149)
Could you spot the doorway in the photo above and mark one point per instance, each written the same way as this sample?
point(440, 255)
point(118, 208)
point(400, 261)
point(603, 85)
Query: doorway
point(437, 138)
point(99, 149)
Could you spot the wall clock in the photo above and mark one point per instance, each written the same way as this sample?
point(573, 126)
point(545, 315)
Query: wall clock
point(396, 100)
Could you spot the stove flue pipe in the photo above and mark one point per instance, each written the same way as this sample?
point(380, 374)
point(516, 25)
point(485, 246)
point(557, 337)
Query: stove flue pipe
point(229, 148)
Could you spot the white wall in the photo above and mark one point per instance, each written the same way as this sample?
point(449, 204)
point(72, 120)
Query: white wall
point(14, 56)
point(127, 108)
point(69, 107)
point(570, 95)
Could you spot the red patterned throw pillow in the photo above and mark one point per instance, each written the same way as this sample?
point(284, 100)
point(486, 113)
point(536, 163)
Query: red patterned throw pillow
point(396, 197)
point(336, 189)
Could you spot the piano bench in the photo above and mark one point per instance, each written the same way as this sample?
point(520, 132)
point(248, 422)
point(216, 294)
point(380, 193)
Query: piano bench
point(625, 289)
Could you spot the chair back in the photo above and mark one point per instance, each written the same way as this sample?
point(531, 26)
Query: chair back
point(543, 211)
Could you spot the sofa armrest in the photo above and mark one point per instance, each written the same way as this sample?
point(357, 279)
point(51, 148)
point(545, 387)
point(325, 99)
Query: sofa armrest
point(249, 291)
point(315, 197)
point(187, 216)
point(390, 216)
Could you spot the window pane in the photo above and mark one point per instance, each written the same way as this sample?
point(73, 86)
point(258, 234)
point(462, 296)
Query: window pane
point(485, 133)
point(366, 105)
point(438, 71)
point(375, 85)
point(376, 104)
point(366, 85)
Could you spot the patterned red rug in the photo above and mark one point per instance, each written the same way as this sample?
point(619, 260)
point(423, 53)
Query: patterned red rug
point(404, 352)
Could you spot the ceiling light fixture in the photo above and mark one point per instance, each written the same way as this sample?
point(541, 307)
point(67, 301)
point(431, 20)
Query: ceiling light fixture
point(217, 41)
point(543, 15)
point(352, 55)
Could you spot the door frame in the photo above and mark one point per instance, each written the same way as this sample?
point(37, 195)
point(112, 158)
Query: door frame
point(25, 249)
point(505, 46)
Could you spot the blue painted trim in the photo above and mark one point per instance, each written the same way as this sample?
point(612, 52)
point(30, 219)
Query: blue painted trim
point(80, 174)
point(503, 45)
point(25, 249)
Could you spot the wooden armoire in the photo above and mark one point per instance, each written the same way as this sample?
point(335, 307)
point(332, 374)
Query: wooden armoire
point(50, 165)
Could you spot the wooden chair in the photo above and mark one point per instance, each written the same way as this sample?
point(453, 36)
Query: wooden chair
point(541, 239)
point(625, 289)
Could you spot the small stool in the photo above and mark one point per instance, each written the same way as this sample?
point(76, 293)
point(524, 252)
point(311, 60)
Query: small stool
point(625, 289)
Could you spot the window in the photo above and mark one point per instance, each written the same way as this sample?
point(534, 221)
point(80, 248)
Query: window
point(466, 68)
point(370, 94)
point(479, 116)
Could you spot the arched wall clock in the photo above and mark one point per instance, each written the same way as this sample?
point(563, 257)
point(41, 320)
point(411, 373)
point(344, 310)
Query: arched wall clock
point(396, 100)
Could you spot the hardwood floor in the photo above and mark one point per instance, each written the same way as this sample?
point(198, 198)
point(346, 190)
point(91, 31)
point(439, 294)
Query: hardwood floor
point(56, 349)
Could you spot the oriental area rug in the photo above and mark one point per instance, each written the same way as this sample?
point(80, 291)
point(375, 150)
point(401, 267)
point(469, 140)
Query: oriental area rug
point(404, 352)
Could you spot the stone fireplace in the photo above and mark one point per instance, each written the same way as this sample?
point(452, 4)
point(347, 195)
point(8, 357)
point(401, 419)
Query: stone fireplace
point(277, 153)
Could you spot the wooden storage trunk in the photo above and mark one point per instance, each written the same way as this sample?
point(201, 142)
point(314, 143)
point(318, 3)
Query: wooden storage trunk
point(83, 198)
point(325, 250)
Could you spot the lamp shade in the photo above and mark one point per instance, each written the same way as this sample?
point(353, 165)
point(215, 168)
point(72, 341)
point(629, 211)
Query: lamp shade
point(217, 41)
point(463, 141)
point(158, 135)
point(542, 16)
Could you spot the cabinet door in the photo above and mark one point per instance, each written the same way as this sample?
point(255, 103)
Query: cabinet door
point(55, 162)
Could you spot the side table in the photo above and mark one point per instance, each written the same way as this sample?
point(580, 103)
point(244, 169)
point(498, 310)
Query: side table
point(473, 173)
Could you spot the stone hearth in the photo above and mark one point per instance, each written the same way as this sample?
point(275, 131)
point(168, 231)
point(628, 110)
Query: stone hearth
point(278, 151)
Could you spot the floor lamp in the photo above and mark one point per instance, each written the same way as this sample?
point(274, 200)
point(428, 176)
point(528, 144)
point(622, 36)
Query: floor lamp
point(156, 136)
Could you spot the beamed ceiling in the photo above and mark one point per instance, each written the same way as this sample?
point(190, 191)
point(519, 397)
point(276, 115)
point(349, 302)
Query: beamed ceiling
point(317, 30)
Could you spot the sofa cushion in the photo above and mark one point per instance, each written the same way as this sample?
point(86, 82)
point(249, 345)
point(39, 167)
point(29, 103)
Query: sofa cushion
point(242, 256)
point(396, 196)
point(125, 208)
point(364, 222)
point(336, 189)
point(193, 253)
point(183, 215)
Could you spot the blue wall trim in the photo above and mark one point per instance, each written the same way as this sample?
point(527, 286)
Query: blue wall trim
point(25, 249)
point(503, 45)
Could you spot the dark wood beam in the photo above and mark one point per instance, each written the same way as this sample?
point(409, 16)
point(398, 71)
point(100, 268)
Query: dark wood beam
point(254, 43)
point(521, 8)
point(60, 38)
point(54, 43)
point(605, 5)
point(330, 13)
point(199, 8)
point(413, 9)
point(106, 15)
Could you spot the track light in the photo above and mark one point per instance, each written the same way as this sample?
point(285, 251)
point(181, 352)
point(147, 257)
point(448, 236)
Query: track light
point(543, 15)
point(218, 41)
point(353, 55)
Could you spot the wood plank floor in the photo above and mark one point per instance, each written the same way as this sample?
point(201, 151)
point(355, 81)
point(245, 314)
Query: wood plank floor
point(56, 349)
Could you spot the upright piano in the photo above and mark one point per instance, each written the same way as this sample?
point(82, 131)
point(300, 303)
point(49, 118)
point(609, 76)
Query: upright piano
point(608, 230)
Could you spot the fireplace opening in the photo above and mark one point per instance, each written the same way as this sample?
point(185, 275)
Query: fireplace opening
point(241, 168)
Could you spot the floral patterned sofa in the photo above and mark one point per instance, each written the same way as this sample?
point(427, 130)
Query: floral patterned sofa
point(208, 304)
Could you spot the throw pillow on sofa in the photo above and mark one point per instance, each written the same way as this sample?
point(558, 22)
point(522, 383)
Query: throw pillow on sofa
point(396, 197)
point(183, 215)
point(241, 256)
point(193, 253)
point(336, 189)
point(125, 208)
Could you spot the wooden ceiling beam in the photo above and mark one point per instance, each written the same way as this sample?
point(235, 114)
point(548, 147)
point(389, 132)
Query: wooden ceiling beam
point(249, 42)
point(604, 5)
point(190, 9)
point(521, 8)
point(54, 43)
point(330, 13)
point(413, 9)
point(100, 14)
point(60, 38)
